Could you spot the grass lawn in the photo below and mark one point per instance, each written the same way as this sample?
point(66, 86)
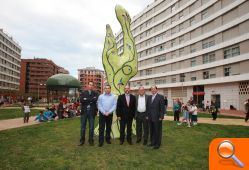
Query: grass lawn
point(11, 113)
point(53, 145)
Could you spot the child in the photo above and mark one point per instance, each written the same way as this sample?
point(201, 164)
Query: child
point(213, 110)
point(26, 111)
point(185, 110)
point(41, 117)
point(193, 110)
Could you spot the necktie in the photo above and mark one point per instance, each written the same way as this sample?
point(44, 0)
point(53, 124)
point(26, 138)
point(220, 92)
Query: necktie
point(89, 92)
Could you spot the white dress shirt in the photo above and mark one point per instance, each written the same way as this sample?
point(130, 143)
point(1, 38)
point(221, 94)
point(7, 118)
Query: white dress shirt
point(141, 106)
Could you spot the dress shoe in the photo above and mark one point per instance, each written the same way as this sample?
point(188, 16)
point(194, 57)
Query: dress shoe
point(130, 142)
point(150, 145)
point(138, 141)
point(81, 144)
point(156, 147)
point(121, 143)
point(100, 144)
point(108, 142)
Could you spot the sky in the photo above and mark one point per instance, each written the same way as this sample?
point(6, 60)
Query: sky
point(69, 32)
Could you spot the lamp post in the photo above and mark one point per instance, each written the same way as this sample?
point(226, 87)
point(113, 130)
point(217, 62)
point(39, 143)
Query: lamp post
point(39, 90)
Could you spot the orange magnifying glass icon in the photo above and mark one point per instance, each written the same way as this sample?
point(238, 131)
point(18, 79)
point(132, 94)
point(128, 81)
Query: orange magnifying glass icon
point(226, 150)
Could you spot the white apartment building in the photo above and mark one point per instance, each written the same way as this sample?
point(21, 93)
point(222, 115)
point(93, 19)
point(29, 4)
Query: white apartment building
point(10, 63)
point(194, 48)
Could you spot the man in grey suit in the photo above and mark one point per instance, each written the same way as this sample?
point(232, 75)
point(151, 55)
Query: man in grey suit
point(142, 126)
point(155, 110)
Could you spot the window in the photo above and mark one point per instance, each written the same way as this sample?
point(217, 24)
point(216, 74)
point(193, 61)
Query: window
point(141, 72)
point(206, 75)
point(181, 27)
point(173, 43)
point(227, 71)
point(173, 79)
point(148, 72)
point(208, 58)
point(208, 44)
point(193, 78)
point(161, 81)
point(192, 21)
point(212, 75)
point(204, 14)
point(182, 77)
point(147, 83)
point(181, 39)
point(181, 15)
point(231, 52)
point(193, 62)
point(173, 8)
point(181, 52)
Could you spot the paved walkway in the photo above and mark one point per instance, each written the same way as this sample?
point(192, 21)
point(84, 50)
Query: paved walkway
point(18, 122)
point(15, 123)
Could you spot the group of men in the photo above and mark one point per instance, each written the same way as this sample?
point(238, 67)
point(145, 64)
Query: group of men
point(147, 110)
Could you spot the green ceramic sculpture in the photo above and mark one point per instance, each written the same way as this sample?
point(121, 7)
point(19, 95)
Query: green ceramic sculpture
point(119, 68)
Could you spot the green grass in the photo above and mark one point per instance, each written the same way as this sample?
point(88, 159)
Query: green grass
point(11, 113)
point(208, 115)
point(53, 145)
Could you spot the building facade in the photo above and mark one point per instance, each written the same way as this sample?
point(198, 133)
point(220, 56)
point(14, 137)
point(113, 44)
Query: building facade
point(34, 74)
point(88, 74)
point(194, 48)
point(10, 64)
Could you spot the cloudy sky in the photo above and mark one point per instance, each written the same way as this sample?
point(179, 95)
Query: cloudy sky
point(69, 32)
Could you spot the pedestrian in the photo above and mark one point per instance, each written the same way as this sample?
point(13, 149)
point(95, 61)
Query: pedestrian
point(26, 112)
point(126, 107)
point(88, 99)
point(155, 110)
point(166, 104)
point(185, 117)
point(213, 110)
point(247, 110)
point(107, 104)
point(142, 126)
point(176, 110)
point(194, 111)
point(60, 110)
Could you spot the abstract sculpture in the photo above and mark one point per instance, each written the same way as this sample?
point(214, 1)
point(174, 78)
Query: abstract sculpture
point(119, 68)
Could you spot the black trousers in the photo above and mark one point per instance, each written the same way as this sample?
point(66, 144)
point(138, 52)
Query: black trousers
point(142, 126)
point(105, 122)
point(155, 132)
point(214, 115)
point(176, 116)
point(128, 124)
point(247, 117)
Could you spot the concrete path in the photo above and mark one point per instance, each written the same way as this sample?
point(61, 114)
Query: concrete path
point(219, 121)
point(18, 122)
point(15, 123)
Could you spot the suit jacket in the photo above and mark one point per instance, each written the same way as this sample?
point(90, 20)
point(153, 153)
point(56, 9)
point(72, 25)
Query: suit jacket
point(124, 111)
point(86, 99)
point(146, 98)
point(155, 109)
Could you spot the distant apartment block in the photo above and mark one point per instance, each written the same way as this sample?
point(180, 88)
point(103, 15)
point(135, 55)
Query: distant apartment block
point(92, 74)
point(10, 64)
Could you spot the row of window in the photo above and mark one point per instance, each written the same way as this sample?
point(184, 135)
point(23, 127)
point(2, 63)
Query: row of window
point(206, 58)
point(8, 85)
point(3, 39)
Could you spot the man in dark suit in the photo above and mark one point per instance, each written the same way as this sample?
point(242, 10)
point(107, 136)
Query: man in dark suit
point(142, 126)
point(155, 110)
point(88, 99)
point(126, 107)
